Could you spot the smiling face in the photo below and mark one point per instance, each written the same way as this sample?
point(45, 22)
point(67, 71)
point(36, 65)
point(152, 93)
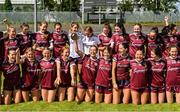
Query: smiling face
point(30, 55)
point(139, 55)
point(137, 29)
point(173, 52)
point(117, 29)
point(93, 51)
point(12, 32)
point(74, 28)
point(106, 54)
point(12, 56)
point(66, 53)
point(121, 49)
point(152, 35)
point(46, 54)
point(58, 28)
point(25, 29)
point(43, 27)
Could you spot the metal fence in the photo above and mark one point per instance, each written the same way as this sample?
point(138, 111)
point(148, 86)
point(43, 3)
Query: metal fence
point(67, 17)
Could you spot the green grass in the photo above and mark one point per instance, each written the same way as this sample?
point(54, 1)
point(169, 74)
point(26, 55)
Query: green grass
point(73, 106)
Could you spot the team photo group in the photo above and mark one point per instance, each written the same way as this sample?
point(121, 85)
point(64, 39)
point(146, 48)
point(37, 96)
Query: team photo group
point(77, 65)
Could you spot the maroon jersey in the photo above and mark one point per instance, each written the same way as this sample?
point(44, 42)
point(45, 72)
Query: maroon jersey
point(10, 43)
point(11, 72)
point(136, 42)
point(25, 42)
point(158, 71)
point(173, 72)
point(139, 74)
point(41, 41)
point(152, 44)
point(104, 73)
point(30, 73)
point(105, 41)
point(168, 41)
point(89, 70)
point(122, 66)
point(59, 41)
point(48, 68)
point(65, 70)
point(118, 39)
point(1, 47)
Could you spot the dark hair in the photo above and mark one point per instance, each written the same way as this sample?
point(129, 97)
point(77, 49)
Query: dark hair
point(107, 25)
point(89, 29)
point(165, 30)
point(24, 25)
point(57, 23)
point(138, 24)
point(11, 49)
point(121, 26)
point(95, 47)
point(109, 49)
point(43, 22)
point(157, 52)
point(155, 29)
point(173, 46)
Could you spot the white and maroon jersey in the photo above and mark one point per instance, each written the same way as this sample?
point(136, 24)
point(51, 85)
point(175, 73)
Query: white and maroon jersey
point(65, 70)
point(139, 74)
point(117, 39)
point(89, 41)
point(105, 41)
point(48, 68)
point(158, 72)
point(11, 71)
point(103, 77)
point(59, 41)
point(41, 41)
point(30, 72)
point(73, 53)
point(136, 42)
point(122, 66)
point(89, 70)
point(25, 41)
point(173, 72)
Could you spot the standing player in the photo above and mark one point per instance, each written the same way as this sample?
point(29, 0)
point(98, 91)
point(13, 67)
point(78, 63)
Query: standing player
point(67, 77)
point(120, 74)
point(41, 40)
point(154, 40)
point(87, 77)
point(158, 72)
point(60, 39)
point(119, 36)
point(11, 41)
point(173, 75)
point(11, 84)
point(103, 79)
point(105, 37)
point(49, 71)
point(25, 38)
point(30, 75)
point(89, 39)
point(139, 81)
point(74, 28)
point(137, 40)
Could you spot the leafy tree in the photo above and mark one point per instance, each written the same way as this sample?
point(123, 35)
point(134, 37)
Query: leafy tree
point(8, 5)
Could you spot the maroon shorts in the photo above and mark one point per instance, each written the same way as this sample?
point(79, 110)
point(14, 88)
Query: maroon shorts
point(140, 90)
point(11, 85)
point(30, 88)
point(158, 89)
point(175, 89)
point(85, 86)
point(65, 85)
point(123, 84)
point(76, 60)
point(103, 90)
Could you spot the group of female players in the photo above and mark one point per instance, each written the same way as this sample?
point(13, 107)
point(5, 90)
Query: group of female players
point(112, 67)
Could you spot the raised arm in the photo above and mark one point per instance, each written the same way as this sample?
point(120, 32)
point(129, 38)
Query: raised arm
point(18, 60)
